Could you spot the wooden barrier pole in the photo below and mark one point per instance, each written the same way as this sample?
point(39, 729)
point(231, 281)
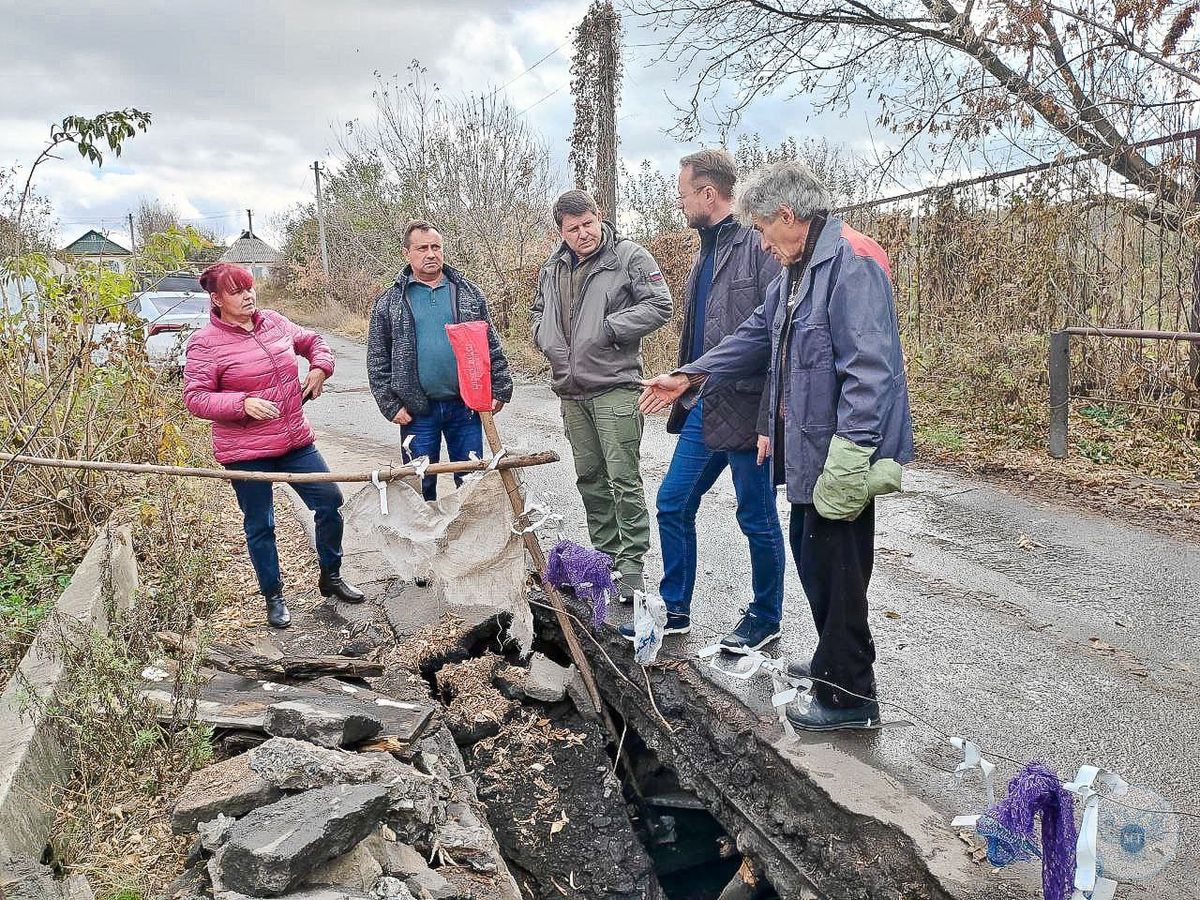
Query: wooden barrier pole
point(388, 473)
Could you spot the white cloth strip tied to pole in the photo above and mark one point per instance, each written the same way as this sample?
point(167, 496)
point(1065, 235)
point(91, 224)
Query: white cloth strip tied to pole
point(1088, 884)
point(420, 464)
point(973, 758)
point(405, 444)
point(532, 509)
point(380, 486)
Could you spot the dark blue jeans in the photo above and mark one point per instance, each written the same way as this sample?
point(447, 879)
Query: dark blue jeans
point(257, 500)
point(458, 424)
point(694, 469)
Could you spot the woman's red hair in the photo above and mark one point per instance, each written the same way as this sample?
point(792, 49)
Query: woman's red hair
point(226, 278)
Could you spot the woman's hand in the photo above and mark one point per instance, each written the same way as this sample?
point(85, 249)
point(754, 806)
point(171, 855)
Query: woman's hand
point(314, 384)
point(258, 408)
point(497, 405)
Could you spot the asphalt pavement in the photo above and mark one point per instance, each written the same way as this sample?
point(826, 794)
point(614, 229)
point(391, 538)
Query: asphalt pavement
point(1038, 631)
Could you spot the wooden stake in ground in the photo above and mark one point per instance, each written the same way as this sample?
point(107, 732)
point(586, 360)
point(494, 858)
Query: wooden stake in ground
point(469, 341)
point(512, 485)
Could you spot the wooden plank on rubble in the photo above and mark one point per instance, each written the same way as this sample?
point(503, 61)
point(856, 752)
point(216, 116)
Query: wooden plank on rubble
point(228, 700)
point(266, 660)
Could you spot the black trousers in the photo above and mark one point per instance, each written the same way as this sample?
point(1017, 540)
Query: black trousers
point(834, 559)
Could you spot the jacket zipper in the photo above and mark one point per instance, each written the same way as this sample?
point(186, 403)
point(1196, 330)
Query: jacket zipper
point(275, 372)
point(575, 314)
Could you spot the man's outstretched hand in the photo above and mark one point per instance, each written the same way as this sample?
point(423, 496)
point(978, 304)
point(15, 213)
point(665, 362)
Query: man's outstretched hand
point(661, 391)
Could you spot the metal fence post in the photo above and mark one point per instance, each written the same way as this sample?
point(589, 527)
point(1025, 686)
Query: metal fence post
point(1060, 377)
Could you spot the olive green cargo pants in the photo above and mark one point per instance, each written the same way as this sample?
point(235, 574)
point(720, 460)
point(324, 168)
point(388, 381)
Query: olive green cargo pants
point(605, 434)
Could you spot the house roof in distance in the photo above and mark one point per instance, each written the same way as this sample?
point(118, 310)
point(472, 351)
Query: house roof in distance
point(249, 248)
point(93, 243)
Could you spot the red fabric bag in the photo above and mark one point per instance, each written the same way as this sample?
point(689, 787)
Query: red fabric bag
point(469, 341)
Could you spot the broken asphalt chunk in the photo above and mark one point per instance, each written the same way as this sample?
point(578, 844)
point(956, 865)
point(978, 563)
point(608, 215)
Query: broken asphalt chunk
point(230, 787)
point(272, 849)
point(324, 721)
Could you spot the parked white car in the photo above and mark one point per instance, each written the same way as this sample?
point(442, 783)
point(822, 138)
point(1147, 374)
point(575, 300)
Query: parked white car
point(174, 308)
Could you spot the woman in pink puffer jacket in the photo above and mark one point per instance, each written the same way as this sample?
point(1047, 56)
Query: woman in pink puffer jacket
point(242, 374)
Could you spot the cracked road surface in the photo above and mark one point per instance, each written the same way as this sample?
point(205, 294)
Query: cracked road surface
point(1035, 630)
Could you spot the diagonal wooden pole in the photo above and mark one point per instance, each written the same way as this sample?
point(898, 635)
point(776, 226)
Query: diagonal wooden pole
point(512, 484)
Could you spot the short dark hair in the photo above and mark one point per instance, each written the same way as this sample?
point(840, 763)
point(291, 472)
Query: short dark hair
point(417, 225)
point(714, 165)
point(574, 203)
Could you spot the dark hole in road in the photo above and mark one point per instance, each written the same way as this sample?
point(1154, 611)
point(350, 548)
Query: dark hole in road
point(694, 857)
point(691, 854)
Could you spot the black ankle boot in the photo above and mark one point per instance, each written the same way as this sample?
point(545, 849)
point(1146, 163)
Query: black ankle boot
point(277, 611)
point(332, 584)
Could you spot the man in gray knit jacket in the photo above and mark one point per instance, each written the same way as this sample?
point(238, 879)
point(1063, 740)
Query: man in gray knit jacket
point(410, 364)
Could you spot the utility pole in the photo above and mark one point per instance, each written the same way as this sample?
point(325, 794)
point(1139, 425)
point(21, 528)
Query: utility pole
point(133, 260)
point(607, 59)
point(595, 84)
point(316, 167)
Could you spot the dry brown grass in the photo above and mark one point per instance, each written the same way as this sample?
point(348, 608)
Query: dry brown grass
point(319, 315)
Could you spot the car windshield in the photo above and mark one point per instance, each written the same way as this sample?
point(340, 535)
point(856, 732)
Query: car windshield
point(180, 305)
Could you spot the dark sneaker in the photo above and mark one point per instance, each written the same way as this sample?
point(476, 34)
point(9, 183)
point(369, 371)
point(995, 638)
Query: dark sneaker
point(677, 623)
point(800, 669)
point(332, 584)
point(752, 633)
point(819, 717)
point(277, 612)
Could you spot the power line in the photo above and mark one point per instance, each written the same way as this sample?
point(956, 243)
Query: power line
point(530, 69)
point(543, 100)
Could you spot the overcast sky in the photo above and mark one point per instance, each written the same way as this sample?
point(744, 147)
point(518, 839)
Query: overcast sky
point(246, 95)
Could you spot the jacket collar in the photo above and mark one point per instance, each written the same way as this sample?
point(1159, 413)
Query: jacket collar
point(714, 232)
point(824, 250)
point(217, 321)
point(827, 242)
point(451, 274)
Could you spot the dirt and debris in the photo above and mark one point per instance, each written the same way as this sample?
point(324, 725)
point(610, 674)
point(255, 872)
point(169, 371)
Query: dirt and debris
point(549, 788)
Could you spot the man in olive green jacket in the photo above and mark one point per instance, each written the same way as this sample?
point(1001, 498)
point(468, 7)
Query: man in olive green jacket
point(598, 296)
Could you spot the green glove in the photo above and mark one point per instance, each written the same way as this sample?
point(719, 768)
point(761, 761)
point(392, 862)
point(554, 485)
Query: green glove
point(849, 481)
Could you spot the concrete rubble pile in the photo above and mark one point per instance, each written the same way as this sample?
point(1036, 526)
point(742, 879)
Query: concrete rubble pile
point(298, 819)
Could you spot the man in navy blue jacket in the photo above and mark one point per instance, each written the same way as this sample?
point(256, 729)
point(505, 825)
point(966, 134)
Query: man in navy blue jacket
point(726, 284)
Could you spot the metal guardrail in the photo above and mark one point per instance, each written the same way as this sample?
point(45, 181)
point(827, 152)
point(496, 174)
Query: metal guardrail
point(1059, 366)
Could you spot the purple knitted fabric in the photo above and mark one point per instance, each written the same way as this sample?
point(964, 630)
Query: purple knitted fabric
point(1037, 791)
point(586, 571)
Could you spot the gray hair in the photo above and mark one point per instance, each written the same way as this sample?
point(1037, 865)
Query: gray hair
point(790, 183)
point(574, 203)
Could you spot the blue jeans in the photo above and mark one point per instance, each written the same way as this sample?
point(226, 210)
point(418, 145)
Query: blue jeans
point(257, 500)
point(693, 471)
point(461, 428)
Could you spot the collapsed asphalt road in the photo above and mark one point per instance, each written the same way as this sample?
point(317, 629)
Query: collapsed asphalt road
point(1037, 631)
